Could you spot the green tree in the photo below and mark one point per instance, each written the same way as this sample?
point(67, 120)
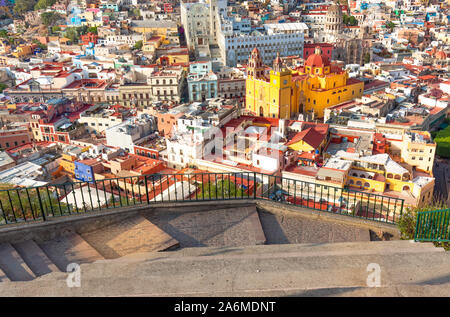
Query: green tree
point(345, 19)
point(220, 189)
point(50, 18)
point(4, 34)
point(390, 25)
point(40, 45)
point(442, 140)
point(366, 58)
point(81, 30)
point(3, 87)
point(92, 29)
point(55, 29)
point(138, 45)
point(23, 6)
point(135, 12)
point(72, 35)
point(44, 4)
point(407, 222)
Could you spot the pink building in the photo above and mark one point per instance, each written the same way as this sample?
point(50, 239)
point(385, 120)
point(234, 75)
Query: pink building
point(309, 48)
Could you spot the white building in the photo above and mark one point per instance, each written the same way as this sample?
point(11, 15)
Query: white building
point(125, 135)
point(284, 38)
point(200, 22)
point(99, 119)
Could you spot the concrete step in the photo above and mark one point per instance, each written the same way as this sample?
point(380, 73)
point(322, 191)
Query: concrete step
point(69, 249)
point(35, 258)
point(133, 235)
point(422, 273)
point(280, 228)
point(3, 277)
point(237, 226)
point(297, 250)
point(12, 264)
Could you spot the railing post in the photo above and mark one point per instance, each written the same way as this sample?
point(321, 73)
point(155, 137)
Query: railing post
point(417, 226)
point(401, 208)
point(146, 190)
point(40, 204)
point(254, 185)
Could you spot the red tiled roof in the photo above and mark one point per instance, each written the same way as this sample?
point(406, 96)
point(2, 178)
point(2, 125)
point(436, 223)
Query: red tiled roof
point(310, 136)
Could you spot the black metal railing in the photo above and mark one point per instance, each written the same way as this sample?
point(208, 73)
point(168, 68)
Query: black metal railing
point(44, 202)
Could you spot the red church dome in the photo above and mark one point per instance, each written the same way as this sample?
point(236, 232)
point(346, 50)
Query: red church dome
point(317, 60)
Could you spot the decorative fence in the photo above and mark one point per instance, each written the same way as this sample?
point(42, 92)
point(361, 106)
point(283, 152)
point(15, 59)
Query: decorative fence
point(41, 203)
point(433, 226)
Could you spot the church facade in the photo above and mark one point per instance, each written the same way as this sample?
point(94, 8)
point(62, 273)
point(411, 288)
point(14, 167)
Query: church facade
point(285, 93)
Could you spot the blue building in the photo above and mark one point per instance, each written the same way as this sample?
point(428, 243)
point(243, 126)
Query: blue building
point(110, 6)
point(84, 172)
point(202, 82)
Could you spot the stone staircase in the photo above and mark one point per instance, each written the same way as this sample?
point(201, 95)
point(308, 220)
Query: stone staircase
point(329, 269)
point(33, 258)
point(29, 259)
point(223, 253)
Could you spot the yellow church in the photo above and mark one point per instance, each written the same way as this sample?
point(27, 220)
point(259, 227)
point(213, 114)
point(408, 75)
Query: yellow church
point(285, 93)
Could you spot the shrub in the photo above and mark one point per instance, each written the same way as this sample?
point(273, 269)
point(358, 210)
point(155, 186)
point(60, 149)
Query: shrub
point(407, 221)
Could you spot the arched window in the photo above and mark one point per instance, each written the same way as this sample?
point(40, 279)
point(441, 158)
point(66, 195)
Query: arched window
point(397, 177)
point(389, 175)
point(351, 181)
point(406, 188)
point(366, 185)
point(359, 183)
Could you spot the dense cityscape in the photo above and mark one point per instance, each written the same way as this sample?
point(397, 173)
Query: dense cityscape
point(347, 101)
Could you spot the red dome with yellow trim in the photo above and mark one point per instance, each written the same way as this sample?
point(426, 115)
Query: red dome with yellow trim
point(317, 60)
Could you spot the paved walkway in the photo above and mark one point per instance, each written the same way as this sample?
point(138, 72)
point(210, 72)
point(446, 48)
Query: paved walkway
point(299, 229)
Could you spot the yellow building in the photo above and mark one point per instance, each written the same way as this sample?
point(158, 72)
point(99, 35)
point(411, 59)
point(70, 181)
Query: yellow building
point(285, 93)
point(156, 28)
point(151, 44)
point(22, 51)
point(68, 163)
point(379, 173)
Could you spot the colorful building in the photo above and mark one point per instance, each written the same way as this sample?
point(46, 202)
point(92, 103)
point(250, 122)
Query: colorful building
point(310, 49)
point(89, 38)
point(287, 92)
point(202, 82)
point(23, 50)
point(85, 170)
point(67, 163)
